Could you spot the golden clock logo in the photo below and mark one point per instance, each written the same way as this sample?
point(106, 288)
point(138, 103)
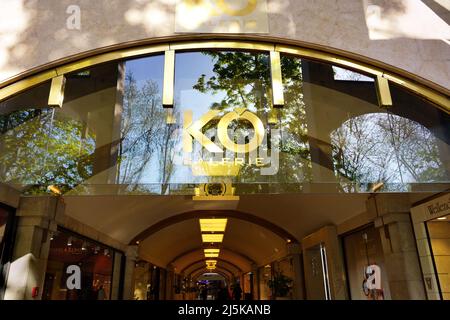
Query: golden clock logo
point(221, 16)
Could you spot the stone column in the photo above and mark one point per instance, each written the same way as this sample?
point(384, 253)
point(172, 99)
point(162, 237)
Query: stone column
point(399, 246)
point(131, 256)
point(294, 251)
point(117, 264)
point(35, 224)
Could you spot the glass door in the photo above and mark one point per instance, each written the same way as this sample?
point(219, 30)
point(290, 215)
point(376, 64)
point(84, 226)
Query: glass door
point(316, 271)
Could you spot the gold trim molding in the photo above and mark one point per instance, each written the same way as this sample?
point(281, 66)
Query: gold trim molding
point(422, 87)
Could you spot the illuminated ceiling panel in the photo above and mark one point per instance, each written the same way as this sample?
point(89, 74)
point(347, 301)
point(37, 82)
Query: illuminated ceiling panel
point(217, 237)
point(213, 225)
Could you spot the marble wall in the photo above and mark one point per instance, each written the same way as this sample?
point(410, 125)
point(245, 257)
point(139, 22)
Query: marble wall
point(34, 32)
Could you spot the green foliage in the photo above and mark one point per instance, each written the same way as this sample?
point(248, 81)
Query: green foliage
point(280, 284)
point(42, 147)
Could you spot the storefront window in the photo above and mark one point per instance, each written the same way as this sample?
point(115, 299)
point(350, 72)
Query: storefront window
point(6, 239)
point(363, 249)
point(439, 233)
point(94, 260)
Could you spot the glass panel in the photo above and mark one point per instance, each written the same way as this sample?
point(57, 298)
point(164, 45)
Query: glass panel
point(336, 119)
point(25, 122)
point(315, 272)
point(420, 142)
point(144, 133)
point(439, 233)
point(94, 260)
point(213, 85)
point(112, 135)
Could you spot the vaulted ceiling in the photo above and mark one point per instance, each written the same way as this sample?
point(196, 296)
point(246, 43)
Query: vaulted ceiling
point(259, 226)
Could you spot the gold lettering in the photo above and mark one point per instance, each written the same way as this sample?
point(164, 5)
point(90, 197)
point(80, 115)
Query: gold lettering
point(239, 161)
point(259, 162)
point(226, 160)
point(240, 113)
point(194, 130)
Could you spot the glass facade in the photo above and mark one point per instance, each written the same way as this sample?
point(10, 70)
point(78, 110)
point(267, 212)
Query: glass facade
point(113, 136)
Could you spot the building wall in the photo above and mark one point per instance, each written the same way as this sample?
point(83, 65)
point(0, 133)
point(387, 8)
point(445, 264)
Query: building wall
point(34, 33)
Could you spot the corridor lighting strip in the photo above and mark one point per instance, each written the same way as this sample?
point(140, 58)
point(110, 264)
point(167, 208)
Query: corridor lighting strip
point(402, 78)
point(213, 225)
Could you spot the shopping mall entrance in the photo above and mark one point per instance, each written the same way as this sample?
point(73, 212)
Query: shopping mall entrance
point(223, 170)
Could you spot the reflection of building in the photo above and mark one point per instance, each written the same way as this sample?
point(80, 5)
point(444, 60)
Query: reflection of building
point(350, 169)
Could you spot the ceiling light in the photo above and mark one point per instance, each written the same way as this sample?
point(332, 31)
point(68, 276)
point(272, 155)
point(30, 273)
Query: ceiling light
point(211, 263)
point(212, 250)
point(211, 255)
point(442, 218)
point(213, 225)
point(212, 237)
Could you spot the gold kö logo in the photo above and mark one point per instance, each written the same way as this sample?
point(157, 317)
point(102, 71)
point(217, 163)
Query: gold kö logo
point(193, 130)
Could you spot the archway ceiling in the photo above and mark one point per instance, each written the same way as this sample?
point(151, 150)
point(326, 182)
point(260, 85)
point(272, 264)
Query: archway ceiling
point(221, 265)
point(244, 242)
point(211, 276)
point(198, 273)
point(124, 217)
point(185, 259)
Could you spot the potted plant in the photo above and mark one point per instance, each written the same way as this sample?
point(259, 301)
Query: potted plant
point(280, 285)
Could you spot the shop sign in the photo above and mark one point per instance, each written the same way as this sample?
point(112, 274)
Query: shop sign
point(372, 282)
point(221, 16)
point(233, 152)
point(439, 207)
point(74, 279)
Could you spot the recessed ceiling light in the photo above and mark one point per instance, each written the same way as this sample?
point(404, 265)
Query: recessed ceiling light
point(216, 237)
point(213, 225)
point(212, 250)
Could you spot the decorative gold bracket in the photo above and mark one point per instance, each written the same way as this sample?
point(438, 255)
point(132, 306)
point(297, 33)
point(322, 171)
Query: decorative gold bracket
point(383, 92)
point(277, 80)
point(169, 78)
point(56, 95)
